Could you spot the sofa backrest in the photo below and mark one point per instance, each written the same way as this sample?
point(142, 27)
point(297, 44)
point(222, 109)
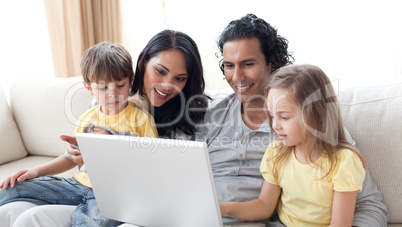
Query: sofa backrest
point(373, 116)
point(12, 147)
point(46, 108)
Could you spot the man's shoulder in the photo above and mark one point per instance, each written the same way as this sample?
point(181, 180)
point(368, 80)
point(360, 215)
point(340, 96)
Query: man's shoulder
point(225, 101)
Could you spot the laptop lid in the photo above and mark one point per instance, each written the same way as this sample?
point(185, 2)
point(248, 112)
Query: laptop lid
point(151, 181)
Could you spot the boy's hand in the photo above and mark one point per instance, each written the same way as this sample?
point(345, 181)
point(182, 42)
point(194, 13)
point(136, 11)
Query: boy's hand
point(20, 176)
point(100, 131)
point(75, 153)
point(69, 139)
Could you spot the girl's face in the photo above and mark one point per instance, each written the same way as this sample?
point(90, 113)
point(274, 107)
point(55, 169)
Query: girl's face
point(165, 77)
point(285, 116)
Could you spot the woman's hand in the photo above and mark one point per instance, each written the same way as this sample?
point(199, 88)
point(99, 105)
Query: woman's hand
point(20, 176)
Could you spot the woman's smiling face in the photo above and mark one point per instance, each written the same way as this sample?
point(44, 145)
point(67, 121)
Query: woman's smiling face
point(165, 77)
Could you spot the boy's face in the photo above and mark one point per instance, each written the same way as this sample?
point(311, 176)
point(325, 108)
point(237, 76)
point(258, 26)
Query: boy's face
point(112, 96)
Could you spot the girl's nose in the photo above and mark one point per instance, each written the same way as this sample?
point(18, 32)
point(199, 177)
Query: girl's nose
point(275, 124)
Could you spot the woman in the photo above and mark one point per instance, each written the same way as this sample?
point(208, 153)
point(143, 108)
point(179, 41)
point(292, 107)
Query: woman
point(168, 79)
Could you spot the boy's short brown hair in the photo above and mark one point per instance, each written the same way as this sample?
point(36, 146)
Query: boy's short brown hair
point(105, 62)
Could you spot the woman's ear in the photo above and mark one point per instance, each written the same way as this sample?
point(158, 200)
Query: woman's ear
point(88, 88)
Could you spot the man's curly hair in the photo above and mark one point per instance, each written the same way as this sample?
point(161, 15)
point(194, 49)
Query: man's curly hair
point(273, 46)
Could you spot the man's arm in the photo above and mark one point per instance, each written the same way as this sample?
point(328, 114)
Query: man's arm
point(370, 209)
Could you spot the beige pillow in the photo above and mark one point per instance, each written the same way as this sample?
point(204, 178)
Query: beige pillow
point(46, 108)
point(11, 145)
point(373, 116)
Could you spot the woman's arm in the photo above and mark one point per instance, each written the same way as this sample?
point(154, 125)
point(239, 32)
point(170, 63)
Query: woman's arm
point(255, 210)
point(343, 207)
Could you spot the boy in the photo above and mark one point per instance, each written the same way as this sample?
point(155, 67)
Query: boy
point(108, 73)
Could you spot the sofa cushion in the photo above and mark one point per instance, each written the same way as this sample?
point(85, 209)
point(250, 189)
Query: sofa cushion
point(11, 144)
point(370, 113)
point(46, 108)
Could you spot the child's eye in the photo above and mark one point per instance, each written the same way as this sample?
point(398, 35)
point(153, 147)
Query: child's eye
point(121, 86)
point(102, 88)
point(285, 118)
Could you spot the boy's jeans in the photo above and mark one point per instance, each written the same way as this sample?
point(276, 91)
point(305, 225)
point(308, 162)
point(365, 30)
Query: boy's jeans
point(56, 190)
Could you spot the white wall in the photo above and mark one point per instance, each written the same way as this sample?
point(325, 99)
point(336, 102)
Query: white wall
point(355, 42)
point(25, 47)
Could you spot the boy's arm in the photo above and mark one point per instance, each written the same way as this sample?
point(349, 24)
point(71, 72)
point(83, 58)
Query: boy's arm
point(56, 166)
point(59, 165)
point(343, 207)
point(255, 210)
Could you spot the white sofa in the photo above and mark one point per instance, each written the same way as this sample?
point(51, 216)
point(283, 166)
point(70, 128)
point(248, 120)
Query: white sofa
point(41, 110)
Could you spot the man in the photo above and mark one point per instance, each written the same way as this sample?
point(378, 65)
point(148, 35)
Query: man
point(236, 128)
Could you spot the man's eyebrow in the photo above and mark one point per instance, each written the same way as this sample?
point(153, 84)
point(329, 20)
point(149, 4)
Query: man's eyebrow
point(248, 60)
point(243, 61)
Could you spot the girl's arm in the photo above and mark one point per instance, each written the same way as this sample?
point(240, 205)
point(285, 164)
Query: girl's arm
point(343, 207)
point(255, 210)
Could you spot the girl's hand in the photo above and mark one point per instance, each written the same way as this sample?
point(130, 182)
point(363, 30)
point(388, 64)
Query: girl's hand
point(224, 208)
point(20, 176)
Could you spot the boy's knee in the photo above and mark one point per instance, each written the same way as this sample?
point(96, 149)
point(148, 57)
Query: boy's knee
point(8, 195)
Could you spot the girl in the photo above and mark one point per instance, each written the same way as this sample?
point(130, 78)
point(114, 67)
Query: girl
point(312, 170)
point(168, 82)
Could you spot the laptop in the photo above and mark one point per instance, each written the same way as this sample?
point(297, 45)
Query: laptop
point(151, 181)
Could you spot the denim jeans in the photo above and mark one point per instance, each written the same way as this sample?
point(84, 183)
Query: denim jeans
point(55, 190)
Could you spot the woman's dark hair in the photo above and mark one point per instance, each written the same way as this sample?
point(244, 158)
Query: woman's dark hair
point(175, 114)
point(273, 46)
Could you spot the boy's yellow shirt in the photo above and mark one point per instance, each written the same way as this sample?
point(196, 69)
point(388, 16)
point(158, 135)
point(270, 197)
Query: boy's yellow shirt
point(132, 121)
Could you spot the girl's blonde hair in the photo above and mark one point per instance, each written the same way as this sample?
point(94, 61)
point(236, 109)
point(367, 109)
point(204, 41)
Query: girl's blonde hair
point(321, 123)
